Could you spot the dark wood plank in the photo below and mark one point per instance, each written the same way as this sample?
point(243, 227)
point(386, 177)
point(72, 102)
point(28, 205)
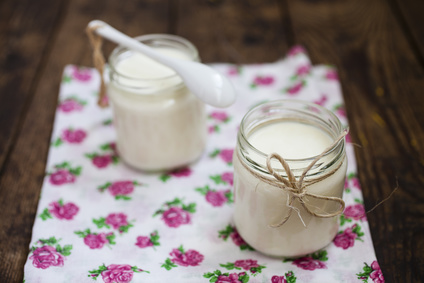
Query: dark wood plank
point(234, 31)
point(25, 30)
point(381, 80)
point(22, 178)
point(410, 15)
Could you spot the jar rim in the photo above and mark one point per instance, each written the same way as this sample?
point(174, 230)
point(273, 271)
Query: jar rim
point(334, 119)
point(190, 50)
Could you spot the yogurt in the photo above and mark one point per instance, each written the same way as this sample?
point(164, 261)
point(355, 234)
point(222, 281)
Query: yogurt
point(160, 125)
point(260, 206)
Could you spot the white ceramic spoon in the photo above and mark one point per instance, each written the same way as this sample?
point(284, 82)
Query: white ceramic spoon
point(203, 81)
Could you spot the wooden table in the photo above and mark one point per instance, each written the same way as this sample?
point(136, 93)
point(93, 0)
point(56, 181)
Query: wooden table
point(377, 46)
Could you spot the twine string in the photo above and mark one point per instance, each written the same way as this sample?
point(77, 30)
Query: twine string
point(99, 62)
point(297, 189)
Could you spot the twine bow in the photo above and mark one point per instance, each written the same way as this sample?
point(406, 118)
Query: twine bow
point(297, 189)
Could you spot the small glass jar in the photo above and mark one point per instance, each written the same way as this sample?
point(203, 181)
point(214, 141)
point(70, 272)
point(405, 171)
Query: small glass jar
point(260, 205)
point(160, 124)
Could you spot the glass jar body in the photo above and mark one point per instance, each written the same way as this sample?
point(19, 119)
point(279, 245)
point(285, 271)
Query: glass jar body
point(160, 124)
point(259, 205)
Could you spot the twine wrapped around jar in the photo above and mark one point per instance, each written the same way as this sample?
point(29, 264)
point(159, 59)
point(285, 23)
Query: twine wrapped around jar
point(297, 189)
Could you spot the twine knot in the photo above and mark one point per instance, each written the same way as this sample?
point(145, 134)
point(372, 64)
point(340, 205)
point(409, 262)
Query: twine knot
point(297, 189)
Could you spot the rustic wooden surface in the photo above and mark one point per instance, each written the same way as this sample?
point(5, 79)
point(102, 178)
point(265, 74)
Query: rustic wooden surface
point(377, 46)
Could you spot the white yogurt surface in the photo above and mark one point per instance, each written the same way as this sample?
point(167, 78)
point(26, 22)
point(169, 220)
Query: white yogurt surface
point(291, 140)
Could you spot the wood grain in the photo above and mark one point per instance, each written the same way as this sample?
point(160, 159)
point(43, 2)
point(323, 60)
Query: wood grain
point(366, 42)
point(239, 31)
point(23, 47)
point(376, 45)
point(22, 178)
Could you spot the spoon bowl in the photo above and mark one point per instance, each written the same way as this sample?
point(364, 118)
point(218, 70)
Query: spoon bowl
point(203, 81)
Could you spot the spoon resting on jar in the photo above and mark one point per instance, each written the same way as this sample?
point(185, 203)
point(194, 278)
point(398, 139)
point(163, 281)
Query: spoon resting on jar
point(203, 81)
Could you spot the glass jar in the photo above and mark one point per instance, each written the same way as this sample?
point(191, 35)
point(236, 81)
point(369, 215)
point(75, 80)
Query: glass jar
point(261, 205)
point(160, 124)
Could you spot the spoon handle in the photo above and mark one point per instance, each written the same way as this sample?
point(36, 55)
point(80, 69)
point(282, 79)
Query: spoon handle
point(118, 37)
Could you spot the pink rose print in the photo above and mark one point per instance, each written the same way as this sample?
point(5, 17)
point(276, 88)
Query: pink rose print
point(188, 258)
point(115, 273)
point(145, 241)
point(219, 277)
point(63, 210)
point(120, 189)
point(355, 211)
point(118, 273)
point(323, 99)
point(102, 161)
point(376, 275)
point(303, 70)
point(296, 88)
point(352, 181)
point(308, 263)
point(332, 75)
point(108, 156)
point(287, 278)
point(225, 155)
point(96, 240)
point(184, 172)
point(262, 81)
point(247, 264)
point(64, 174)
point(175, 213)
point(231, 232)
point(374, 272)
point(183, 258)
point(71, 104)
point(219, 116)
point(45, 257)
point(224, 178)
point(228, 177)
point(73, 136)
point(49, 254)
point(61, 177)
point(340, 111)
point(312, 261)
point(116, 220)
point(213, 129)
point(178, 173)
point(348, 138)
point(278, 279)
point(175, 217)
point(81, 74)
point(345, 240)
point(234, 70)
point(296, 50)
point(216, 197)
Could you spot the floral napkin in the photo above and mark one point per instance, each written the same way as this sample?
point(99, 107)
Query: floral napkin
point(99, 220)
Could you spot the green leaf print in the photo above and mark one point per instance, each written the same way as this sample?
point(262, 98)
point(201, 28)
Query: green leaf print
point(168, 265)
point(45, 215)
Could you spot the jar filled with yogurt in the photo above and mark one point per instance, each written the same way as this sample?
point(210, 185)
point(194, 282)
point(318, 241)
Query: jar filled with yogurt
point(278, 211)
point(160, 124)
